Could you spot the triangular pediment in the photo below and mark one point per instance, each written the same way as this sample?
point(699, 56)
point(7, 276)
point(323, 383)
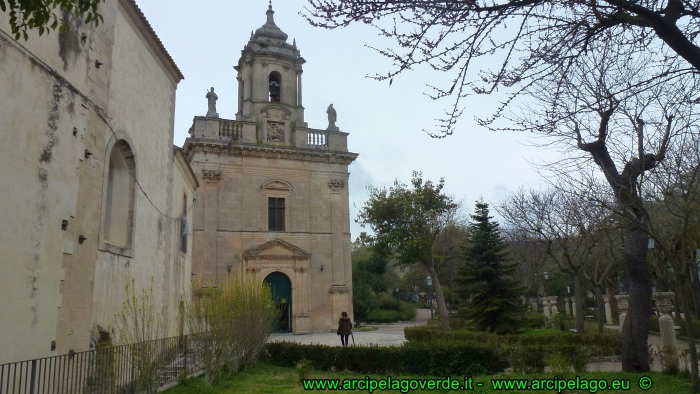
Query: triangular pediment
point(277, 249)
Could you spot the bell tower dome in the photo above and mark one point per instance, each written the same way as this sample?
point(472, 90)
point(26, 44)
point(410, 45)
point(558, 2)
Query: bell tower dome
point(269, 79)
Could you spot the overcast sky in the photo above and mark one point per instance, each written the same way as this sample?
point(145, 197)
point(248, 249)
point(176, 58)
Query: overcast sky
point(385, 123)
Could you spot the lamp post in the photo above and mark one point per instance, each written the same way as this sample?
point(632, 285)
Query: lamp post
point(398, 306)
point(546, 276)
point(429, 280)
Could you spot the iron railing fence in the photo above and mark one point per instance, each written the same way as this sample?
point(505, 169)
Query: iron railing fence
point(123, 369)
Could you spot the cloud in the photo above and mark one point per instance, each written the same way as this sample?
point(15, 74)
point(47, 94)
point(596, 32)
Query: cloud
point(499, 192)
point(357, 187)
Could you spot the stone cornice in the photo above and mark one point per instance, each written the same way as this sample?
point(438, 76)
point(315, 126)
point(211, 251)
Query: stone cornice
point(217, 147)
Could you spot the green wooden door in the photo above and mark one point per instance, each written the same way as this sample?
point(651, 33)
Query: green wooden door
point(281, 288)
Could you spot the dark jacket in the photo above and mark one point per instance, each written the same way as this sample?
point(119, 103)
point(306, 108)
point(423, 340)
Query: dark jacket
point(344, 326)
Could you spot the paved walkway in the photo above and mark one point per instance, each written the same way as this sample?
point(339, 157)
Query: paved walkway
point(392, 334)
point(385, 335)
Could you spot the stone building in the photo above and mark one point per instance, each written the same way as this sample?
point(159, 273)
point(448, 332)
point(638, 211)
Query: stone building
point(92, 189)
point(273, 201)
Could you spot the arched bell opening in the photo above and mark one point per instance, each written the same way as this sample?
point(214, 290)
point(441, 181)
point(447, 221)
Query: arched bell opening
point(275, 86)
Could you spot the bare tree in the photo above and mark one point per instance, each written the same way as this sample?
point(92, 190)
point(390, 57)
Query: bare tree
point(673, 199)
point(620, 128)
point(530, 254)
point(609, 79)
point(525, 39)
point(568, 225)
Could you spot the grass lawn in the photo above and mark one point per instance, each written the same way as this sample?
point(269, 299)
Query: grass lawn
point(266, 378)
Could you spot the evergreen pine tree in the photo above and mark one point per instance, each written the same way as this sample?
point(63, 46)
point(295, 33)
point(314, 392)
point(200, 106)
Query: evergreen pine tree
point(487, 274)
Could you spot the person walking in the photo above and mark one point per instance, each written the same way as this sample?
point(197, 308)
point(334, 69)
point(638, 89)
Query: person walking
point(344, 328)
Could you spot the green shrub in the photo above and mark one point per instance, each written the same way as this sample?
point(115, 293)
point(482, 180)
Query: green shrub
point(407, 313)
point(559, 364)
point(463, 312)
point(436, 359)
point(304, 368)
point(386, 301)
point(229, 324)
point(525, 358)
point(528, 351)
point(533, 320)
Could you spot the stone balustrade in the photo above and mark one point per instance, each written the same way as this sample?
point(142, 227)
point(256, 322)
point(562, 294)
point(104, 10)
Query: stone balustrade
point(317, 139)
point(230, 130)
point(223, 129)
point(321, 139)
point(248, 132)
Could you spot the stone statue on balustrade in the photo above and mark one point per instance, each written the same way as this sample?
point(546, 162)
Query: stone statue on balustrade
point(211, 99)
point(332, 118)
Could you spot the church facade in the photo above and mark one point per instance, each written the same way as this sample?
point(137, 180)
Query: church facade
point(273, 199)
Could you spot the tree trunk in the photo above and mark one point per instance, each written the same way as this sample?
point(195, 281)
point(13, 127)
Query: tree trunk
point(613, 291)
point(694, 381)
point(442, 308)
point(580, 327)
point(600, 308)
point(635, 332)
point(694, 287)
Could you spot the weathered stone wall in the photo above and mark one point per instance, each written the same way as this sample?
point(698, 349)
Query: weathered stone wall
point(53, 288)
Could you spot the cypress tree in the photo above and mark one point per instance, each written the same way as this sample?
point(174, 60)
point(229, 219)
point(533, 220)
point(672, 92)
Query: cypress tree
point(487, 274)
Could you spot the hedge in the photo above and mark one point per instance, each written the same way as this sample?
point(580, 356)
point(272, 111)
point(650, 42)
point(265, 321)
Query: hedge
point(423, 360)
point(525, 353)
point(408, 313)
point(529, 319)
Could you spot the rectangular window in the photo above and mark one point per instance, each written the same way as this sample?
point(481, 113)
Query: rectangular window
point(275, 214)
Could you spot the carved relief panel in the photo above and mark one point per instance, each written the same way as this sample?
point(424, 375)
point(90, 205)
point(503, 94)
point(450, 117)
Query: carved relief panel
point(276, 125)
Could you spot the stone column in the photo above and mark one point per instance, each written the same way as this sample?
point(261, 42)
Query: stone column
point(622, 300)
point(299, 88)
point(340, 260)
point(666, 326)
point(567, 306)
point(553, 305)
point(608, 310)
point(534, 305)
point(573, 307)
point(209, 193)
point(545, 307)
point(247, 87)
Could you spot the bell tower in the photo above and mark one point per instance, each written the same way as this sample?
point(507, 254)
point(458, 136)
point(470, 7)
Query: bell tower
point(273, 203)
point(269, 82)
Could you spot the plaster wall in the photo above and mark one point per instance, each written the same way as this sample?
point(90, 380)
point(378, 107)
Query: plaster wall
point(142, 100)
point(43, 119)
point(53, 288)
point(38, 158)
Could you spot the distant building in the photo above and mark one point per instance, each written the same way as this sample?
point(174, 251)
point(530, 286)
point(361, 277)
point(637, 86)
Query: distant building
point(86, 116)
point(273, 202)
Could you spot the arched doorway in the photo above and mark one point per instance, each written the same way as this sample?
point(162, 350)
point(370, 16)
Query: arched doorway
point(282, 295)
